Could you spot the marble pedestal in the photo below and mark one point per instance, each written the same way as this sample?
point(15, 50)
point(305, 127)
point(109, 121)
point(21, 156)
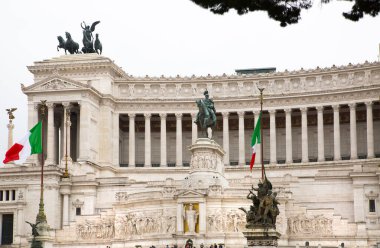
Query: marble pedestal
point(206, 165)
point(261, 237)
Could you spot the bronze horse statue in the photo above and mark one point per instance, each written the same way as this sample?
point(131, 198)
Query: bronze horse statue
point(206, 120)
point(69, 45)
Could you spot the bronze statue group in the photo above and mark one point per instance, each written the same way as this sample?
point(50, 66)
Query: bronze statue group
point(90, 45)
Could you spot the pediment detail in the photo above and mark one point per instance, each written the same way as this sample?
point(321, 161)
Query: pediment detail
point(55, 83)
point(190, 194)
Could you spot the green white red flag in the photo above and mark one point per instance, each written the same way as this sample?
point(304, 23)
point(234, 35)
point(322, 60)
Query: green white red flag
point(255, 141)
point(30, 144)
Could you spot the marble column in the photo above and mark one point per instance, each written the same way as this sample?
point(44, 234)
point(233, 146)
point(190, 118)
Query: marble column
point(194, 128)
point(178, 139)
point(163, 139)
point(226, 139)
point(273, 152)
point(321, 134)
point(202, 217)
point(132, 151)
point(116, 161)
point(32, 121)
point(304, 138)
point(256, 114)
point(337, 155)
point(85, 135)
point(180, 228)
point(65, 190)
point(67, 127)
point(353, 135)
point(370, 145)
point(241, 138)
point(148, 154)
point(288, 135)
point(10, 127)
point(50, 134)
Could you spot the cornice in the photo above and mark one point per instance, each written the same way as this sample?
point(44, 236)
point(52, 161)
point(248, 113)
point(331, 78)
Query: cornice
point(76, 62)
point(260, 76)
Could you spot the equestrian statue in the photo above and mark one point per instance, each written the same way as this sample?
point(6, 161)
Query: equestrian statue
point(206, 117)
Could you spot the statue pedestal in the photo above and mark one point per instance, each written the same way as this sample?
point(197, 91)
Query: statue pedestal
point(206, 165)
point(262, 237)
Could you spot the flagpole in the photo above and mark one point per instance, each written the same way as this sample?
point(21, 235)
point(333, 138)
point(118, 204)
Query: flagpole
point(41, 217)
point(261, 134)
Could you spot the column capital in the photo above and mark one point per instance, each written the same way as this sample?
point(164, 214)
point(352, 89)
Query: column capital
point(256, 112)
point(193, 115)
point(225, 114)
point(178, 116)
point(36, 105)
point(368, 103)
point(66, 104)
point(50, 105)
point(288, 110)
point(147, 115)
point(163, 116)
point(303, 110)
point(272, 111)
point(241, 114)
point(319, 108)
point(352, 105)
point(335, 107)
point(132, 115)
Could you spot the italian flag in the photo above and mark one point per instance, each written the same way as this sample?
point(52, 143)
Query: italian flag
point(256, 140)
point(30, 144)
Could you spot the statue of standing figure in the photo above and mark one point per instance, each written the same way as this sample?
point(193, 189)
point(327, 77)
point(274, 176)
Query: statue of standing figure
point(88, 38)
point(206, 117)
point(191, 217)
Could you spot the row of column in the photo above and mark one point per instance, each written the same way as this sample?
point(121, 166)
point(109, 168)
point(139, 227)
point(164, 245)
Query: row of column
point(65, 126)
point(272, 135)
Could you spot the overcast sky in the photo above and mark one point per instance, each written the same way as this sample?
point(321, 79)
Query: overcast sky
point(170, 37)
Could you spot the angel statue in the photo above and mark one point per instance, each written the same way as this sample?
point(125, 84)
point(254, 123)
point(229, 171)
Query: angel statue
point(88, 38)
point(10, 113)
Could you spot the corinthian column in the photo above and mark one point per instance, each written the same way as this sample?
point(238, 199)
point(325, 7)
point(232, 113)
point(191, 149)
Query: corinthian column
point(147, 140)
point(305, 145)
point(132, 152)
point(50, 134)
point(370, 148)
point(288, 135)
point(179, 139)
point(67, 127)
point(337, 155)
point(226, 140)
point(273, 152)
point(163, 139)
point(353, 136)
point(241, 138)
point(194, 128)
point(321, 134)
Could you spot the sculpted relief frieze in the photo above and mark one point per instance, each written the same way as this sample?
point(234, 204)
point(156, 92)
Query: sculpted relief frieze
point(221, 87)
point(133, 224)
point(310, 225)
point(225, 220)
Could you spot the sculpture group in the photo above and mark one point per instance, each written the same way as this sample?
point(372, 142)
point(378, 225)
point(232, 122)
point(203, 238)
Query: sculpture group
point(264, 209)
point(90, 45)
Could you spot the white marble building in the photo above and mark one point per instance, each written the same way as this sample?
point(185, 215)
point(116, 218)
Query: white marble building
point(129, 159)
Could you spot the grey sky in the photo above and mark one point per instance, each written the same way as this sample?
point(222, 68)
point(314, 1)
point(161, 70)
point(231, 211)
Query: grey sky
point(170, 37)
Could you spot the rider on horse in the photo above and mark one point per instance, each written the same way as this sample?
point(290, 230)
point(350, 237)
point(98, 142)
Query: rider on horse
point(210, 107)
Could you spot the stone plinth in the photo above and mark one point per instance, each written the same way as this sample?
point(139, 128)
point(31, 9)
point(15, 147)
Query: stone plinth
point(206, 165)
point(262, 237)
